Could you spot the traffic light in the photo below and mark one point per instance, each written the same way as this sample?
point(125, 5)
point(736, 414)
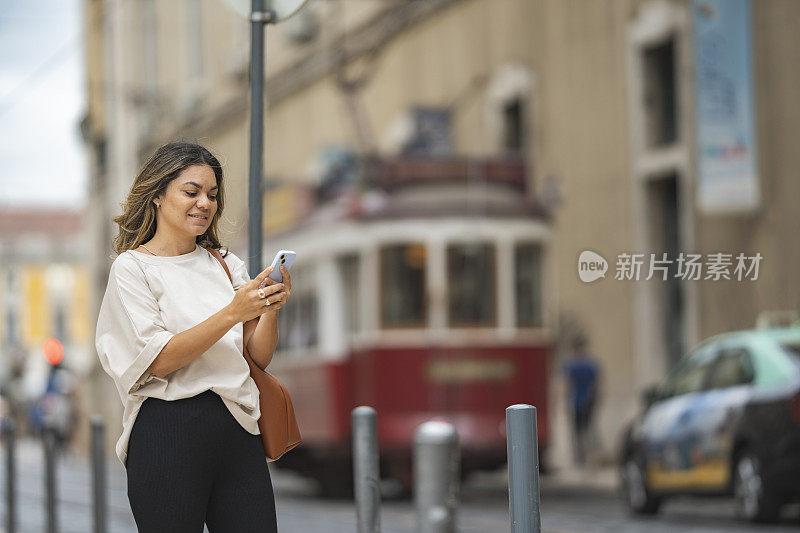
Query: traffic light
point(53, 351)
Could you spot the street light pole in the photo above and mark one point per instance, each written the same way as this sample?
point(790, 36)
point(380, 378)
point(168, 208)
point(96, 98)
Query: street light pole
point(262, 12)
point(258, 19)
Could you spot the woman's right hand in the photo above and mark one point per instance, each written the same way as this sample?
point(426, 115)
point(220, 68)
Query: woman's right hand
point(246, 303)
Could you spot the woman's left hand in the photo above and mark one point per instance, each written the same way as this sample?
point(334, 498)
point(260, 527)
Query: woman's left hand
point(279, 299)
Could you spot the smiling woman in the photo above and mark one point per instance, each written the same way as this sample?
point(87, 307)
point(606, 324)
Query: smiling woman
point(183, 211)
point(180, 190)
point(171, 333)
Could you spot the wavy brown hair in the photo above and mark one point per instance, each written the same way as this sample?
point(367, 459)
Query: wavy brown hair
point(137, 223)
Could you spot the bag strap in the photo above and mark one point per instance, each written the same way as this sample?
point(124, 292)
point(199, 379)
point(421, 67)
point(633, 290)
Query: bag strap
point(222, 262)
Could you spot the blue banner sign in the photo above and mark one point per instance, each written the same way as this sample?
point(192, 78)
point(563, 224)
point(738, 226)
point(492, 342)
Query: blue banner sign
point(726, 142)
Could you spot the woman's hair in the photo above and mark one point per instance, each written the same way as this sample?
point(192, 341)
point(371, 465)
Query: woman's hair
point(137, 223)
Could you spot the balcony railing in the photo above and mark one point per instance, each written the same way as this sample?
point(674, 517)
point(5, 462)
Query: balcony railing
point(396, 172)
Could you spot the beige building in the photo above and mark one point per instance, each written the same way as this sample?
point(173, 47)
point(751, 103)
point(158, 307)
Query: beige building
point(597, 97)
point(44, 294)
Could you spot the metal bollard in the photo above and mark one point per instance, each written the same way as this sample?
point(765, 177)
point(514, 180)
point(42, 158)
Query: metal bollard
point(98, 474)
point(523, 469)
point(50, 477)
point(366, 474)
point(9, 432)
point(436, 477)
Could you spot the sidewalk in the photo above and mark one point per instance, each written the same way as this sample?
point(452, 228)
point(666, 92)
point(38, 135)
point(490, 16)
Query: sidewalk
point(593, 481)
point(561, 483)
point(484, 507)
point(74, 486)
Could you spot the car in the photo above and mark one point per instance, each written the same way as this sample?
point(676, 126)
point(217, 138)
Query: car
point(725, 421)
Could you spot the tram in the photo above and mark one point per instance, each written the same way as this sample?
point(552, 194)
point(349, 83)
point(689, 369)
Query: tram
point(423, 296)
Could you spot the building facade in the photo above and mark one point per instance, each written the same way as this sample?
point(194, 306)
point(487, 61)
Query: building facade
point(598, 98)
point(44, 294)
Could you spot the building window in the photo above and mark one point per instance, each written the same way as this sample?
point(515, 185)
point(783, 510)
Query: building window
point(431, 133)
point(514, 126)
point(102, 157)
point(12, 280)
point(403, 285)
point(528, 284)
point(508, 96)
point(471, 284)
point(10, 327)
point(661, 122)
point(349, 270)
point(60, 323)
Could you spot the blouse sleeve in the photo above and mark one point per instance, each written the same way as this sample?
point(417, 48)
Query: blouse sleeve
point(238, 270)
point(130, 329)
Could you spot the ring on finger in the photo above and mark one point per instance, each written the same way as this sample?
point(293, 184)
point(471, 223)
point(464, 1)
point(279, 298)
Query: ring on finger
point(261, 293)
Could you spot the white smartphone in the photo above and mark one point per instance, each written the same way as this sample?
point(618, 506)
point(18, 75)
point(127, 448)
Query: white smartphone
point(284, 258)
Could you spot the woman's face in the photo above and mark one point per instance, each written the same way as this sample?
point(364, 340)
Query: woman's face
point(189, 203)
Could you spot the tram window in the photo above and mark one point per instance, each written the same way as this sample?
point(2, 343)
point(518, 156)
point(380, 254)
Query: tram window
point(349, 270)
point(297, 323)
point(403, 285)
point(528, 287)
point(471, 284)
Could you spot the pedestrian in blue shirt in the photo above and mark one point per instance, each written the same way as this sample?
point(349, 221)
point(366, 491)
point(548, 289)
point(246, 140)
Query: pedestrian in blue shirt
point(582, 373)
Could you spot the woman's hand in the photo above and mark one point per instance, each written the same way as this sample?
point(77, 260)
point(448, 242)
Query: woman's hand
point(281, 295)
point(248, 304)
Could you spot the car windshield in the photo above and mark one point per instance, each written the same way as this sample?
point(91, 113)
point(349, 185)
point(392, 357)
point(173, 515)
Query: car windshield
point(689, 374)
point(793, 350)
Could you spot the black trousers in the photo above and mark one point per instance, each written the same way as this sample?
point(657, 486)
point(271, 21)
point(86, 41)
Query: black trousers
point(582, 423)
point(189, 462)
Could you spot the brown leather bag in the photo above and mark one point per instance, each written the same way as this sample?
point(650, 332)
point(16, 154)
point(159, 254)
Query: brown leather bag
point(278, 424)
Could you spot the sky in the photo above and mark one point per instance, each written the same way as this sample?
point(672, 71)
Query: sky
point(42, 100)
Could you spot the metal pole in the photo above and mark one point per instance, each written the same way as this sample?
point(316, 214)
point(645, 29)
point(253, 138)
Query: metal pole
point(366, 473)
point(9, 430)
point(523, 469)
point(50, 477)
point(98, 474)
point(436, 477)
point(258, 18)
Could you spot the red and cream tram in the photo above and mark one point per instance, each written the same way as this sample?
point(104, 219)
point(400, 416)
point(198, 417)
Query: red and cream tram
point(423, 298)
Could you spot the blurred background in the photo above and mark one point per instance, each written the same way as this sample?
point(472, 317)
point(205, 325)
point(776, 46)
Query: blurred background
point(439, 166)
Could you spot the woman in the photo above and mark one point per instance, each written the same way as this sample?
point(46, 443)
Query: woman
point(170, 333)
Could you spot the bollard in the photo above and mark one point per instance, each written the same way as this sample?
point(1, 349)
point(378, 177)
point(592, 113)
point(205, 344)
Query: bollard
point(9, 432)
point(523, 469)
point(436, 477)
point(50, 477)
point(366, 474)
point(98, 474)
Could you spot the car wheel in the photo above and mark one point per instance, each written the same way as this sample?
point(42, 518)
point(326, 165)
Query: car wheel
point(639, 499)
point(753, 501)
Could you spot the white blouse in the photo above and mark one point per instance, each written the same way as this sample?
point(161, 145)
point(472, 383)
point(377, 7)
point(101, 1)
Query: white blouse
point(148, 300)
